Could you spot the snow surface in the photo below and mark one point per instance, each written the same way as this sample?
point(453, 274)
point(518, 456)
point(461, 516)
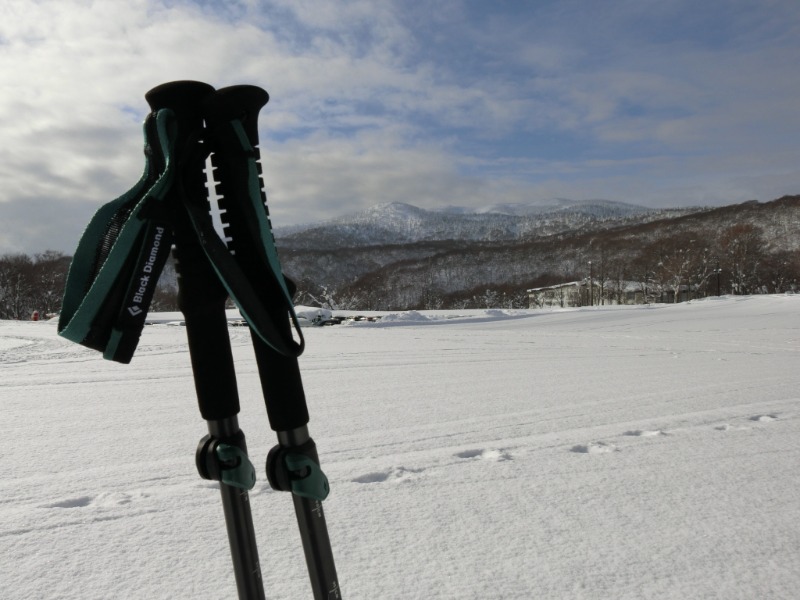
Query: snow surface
point(617, 452)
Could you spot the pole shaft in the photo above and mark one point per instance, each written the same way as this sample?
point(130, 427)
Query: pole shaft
point(239, 521)
point(202, 301)
point(292, 431)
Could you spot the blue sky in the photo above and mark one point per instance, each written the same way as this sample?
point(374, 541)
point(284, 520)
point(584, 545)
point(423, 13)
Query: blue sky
point(468, 103)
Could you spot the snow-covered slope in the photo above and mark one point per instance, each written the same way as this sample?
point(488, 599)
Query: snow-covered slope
point(618, 452)
point(596, 208)
point(397, 223)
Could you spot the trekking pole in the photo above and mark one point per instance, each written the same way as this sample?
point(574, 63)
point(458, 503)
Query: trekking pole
point(293, 465)
point(222, 454)
point(113, 276)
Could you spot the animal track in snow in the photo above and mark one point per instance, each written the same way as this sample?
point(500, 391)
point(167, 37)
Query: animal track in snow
point(645, 432)
point(594, 448)
point(103, 500)
point(78, 502)
point(396, 474)
point(764, 418)
point(768, 418)
point(729, 427)
point(490, 454)
point(404, 474)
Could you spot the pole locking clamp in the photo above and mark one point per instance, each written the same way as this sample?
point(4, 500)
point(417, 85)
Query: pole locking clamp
point(218, 461)
point(296, 469)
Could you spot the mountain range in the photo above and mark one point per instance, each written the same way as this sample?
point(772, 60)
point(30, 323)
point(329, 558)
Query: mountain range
point(398, 256)
point(400, 223)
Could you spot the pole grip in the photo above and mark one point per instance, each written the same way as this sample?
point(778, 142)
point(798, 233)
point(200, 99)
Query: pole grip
point(229, 113)
point(282, 387)
point(201, 297)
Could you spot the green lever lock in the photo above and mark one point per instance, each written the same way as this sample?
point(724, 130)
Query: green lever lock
point(307, 478)
point(236, 468)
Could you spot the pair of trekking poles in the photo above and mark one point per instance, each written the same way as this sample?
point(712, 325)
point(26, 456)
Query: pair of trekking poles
point(113, 277)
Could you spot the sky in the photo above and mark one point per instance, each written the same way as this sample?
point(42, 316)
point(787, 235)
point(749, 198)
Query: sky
point(454, 103)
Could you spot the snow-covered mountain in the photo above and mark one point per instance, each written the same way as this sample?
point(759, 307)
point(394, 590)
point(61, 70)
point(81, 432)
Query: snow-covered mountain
point(395, 255)
point(597, 208)
point(400, 223)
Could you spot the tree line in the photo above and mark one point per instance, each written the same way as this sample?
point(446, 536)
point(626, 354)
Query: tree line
point(665, 266)
point(679, 265)
point(31, 284)
point(35, 284)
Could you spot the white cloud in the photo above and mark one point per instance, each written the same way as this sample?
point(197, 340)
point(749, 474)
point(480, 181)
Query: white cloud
point(379, 101)
point(321, 177)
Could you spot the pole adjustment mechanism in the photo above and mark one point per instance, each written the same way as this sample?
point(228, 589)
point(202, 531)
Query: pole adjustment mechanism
point(218, 461)
point(296, 469)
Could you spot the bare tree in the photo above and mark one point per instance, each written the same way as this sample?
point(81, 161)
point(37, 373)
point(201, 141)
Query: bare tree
point(743, 246)
point(702, 269)
point(50, 270)
point(431, 299)
point(780, 272)
point(677, 259)
point(29, 284)
point(643, 272)
point(489, 299)
point(16, 286)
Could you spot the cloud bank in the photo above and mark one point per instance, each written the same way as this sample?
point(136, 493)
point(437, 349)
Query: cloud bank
point(668, 103)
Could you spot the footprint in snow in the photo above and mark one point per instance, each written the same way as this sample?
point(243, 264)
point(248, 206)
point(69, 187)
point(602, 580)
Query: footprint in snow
point(395, 474)
point(755, 419)
point(78, 502)
point(494, 455)
point(729, 427)
point(645, 432)
point(103, 500)
point(594, 448)
point(764, 418)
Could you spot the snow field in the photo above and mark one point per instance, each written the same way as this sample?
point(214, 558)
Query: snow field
point(617, 452)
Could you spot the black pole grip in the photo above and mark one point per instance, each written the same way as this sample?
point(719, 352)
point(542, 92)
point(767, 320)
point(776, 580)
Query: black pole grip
point(279, 374)
point(201, 297)
point(185, 99)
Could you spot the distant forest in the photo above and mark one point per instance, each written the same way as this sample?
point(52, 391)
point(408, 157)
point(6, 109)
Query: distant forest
point(750, 248)
point(737, 261)
point(35, 284)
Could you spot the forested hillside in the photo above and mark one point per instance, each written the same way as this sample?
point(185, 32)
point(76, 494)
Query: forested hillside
point(399, 257)
point(754, 246)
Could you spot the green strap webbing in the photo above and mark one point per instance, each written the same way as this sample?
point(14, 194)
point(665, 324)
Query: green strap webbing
point(115, 268)
point(120, 255)
point(248, 297)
